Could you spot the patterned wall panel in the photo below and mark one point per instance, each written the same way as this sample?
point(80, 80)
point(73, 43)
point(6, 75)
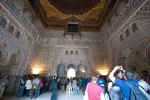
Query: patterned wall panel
point(12, 44)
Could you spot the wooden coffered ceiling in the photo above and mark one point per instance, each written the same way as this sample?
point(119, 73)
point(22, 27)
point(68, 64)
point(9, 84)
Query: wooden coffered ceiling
point(90, 14)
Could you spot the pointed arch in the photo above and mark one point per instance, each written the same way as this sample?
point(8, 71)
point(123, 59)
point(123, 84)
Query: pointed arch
point(134, 27)
point(3, 22)
point(11, 29)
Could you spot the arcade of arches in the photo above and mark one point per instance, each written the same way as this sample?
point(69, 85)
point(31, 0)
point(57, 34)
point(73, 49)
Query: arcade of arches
point(40, 39)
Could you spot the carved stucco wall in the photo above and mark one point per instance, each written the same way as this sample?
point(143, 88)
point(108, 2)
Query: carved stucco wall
point(123, 51)
point(41, 58)
point(102, 50)
point(100, 56)
point(48, 58)
point(76, 59)
point(38, 55)
point(13, 46)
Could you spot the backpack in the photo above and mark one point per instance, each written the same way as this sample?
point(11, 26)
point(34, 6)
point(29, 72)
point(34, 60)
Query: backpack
point(113, 94)
point(102, 83)
point(136, 93)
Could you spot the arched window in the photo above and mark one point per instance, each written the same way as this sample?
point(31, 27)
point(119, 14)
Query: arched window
point(71, 52)
point(3, 22)
point(76, 53)
point(18, 34)
point(11, 29)
point(12, 7)
point(127, 33)
point(134, 27)
point(121, 37)
point(66, 52)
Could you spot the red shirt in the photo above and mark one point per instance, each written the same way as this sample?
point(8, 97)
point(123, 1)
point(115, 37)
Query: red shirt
point(94, 91)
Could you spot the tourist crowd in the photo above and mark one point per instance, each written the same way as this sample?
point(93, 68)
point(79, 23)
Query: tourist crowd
point(119, 85)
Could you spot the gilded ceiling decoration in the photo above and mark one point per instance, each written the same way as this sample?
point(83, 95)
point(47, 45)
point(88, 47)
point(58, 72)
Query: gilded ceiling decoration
point(74, 6)
point(93, 13)
point(89, 14)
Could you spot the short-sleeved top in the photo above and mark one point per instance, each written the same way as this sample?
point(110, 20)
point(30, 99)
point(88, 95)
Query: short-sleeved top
point(35, 81)
point(125, 90)
point(80, 81)
point(94, 91)
point(86, 81)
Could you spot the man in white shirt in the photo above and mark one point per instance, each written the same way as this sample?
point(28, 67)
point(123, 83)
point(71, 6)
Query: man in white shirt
point(34, 87)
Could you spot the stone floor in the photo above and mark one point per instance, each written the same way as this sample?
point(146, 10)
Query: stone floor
point(62, 95)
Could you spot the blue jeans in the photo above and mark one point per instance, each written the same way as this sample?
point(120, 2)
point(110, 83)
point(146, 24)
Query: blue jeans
point(27, 92)
point(54, 94)
point(21, 90)
point(75, 91)
point(38, 91)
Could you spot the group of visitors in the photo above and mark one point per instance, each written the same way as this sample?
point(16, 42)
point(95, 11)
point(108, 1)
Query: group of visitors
point(120, 85)
point(32, 86)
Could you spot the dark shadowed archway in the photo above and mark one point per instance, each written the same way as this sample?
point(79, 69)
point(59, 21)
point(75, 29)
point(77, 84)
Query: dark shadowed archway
point(61, 70)
point(81, 70)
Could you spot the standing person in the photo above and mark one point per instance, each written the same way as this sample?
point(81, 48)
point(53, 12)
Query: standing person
point(65, 83)
point(53, 87)
point(144, 87)
point(101, 82)
point(22, 86)
point(74, 86)
point(48, 84)
point(94, 91)
point(146, 76)
point(3, 83)
point(125, 89)
point(86, 81)
point(28, 86)
point(61, 82)
point(45, 82)
point(80, 81)
point(34, 89)
point(40, 85)
point(113, 89)
point(69, 86)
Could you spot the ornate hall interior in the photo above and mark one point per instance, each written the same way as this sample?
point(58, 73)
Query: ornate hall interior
point(73, 37)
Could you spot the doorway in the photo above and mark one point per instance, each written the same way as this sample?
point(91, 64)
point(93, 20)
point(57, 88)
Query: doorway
point(61, 70)
point(71, 71)
point(81, 71)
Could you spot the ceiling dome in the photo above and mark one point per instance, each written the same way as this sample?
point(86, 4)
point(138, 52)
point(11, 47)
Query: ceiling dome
point(74, 6)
